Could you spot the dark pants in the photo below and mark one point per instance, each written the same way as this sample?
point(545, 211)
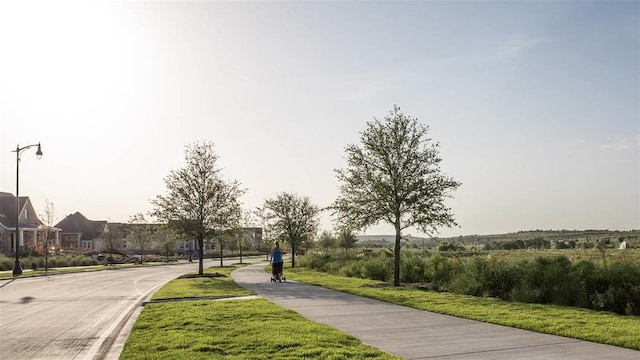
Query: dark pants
point(276, 268)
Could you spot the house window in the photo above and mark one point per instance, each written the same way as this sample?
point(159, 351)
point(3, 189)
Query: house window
point(86, 244)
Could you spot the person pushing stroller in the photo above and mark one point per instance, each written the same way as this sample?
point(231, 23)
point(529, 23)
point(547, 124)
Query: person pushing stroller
point(276, 264)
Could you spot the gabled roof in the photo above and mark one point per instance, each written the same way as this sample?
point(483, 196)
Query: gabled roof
point(8, 209)
point(79, 224)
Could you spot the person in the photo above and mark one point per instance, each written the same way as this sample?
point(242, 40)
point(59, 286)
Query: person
point(276, 262)
point(623, 244)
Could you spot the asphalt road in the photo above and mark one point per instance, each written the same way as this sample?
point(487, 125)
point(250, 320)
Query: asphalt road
point(75, 316)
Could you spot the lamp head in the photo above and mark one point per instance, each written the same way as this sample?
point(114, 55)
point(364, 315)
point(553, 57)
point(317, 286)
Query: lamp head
point(39, 152)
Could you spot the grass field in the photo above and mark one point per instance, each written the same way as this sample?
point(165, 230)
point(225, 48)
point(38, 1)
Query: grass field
point(233, 329)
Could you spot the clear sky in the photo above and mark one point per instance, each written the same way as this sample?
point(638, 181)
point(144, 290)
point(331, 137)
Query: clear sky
point(536, 105)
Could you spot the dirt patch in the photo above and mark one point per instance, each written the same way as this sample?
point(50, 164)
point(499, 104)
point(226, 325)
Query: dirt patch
point(420, 286)
point(191, 276)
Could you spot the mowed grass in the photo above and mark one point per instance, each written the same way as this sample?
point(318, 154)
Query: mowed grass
point(237, 329)
point(233, 329)
point(221, 286)
point(600, 327)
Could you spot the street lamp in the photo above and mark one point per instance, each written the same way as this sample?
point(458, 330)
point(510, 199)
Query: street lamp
point(17, 269)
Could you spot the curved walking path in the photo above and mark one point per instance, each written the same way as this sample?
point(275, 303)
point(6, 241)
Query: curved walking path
point(416, 334)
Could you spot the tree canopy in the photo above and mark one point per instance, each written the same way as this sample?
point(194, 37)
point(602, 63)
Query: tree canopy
point(199, 203)
point(292, 218)
point(394, 176)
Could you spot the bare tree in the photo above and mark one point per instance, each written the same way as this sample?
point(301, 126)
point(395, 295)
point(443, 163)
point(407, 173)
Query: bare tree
point(47, 218)
point(200, 203)
point(293, 218)
point(262, 219)
point(112, 237)
point(139, 235)
point(166, 240)
point(394, 177)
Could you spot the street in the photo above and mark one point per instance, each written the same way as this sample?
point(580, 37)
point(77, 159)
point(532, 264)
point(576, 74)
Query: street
point(75, 316)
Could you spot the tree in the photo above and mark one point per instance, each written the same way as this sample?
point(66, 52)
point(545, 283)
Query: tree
point(166, 240)
point(346, 239)
point(262, 217)
point(394, 177)
point(243, 232)
point(139, 235)
point(112, 238)
point(200, 203)
point(48, 217)
point(326, 241)
point(292, 218)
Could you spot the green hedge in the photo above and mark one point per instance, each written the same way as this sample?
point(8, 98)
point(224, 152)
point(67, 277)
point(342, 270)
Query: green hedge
point(38, 262)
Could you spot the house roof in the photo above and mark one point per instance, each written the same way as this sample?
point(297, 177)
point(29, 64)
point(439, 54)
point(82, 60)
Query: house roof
point(78, 224)
point(8, 209)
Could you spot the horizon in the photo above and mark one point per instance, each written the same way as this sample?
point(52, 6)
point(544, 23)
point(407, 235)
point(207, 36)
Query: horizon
point(534, 105)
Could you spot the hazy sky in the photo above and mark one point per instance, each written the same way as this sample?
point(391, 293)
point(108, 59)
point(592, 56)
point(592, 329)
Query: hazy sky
point(536, 105)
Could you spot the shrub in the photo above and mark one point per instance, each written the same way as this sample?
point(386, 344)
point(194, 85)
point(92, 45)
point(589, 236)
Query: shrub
point(622, 295)
point(546, 281)
point(472, 279)
point(440, 271)
point(353, 269)
point(413, 268)
point(378, 268)
point(6, 263)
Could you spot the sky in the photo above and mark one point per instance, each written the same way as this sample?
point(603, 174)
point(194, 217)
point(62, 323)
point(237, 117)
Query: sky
point(535, 105)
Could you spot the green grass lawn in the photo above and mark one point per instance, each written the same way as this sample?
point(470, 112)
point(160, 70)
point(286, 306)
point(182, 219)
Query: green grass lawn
point(222, 286)
point(233, 329)
point(601, 327)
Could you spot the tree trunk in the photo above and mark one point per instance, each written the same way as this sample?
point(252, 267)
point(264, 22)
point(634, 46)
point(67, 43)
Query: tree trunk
point(221, 264)
point(200, 257)
point(396, 262)
point(293, 256)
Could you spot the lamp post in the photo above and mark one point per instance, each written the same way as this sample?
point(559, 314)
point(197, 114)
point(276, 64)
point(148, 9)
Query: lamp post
point(17, 269)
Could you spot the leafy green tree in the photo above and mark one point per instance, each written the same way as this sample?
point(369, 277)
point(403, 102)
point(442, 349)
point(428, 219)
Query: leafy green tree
point(327, 241)
point(139, 234)
point(200, 203)
point(394, 177)
point(292, 218)
point(347, 240)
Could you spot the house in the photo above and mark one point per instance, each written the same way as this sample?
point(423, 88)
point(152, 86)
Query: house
point(32, 230)
point(79, 233)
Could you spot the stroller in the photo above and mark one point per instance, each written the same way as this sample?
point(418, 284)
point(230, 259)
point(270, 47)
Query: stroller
point(276, 273)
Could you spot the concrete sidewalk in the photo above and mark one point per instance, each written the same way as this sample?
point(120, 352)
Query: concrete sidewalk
point(415, 334)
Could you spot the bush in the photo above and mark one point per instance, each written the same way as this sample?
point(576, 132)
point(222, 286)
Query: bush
point(622, 294)
point(440, 271)
point(472, 279)
point(378, 268)
point(6, 263)
point(413, 268)
point(546, 281)
point(353, 269)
